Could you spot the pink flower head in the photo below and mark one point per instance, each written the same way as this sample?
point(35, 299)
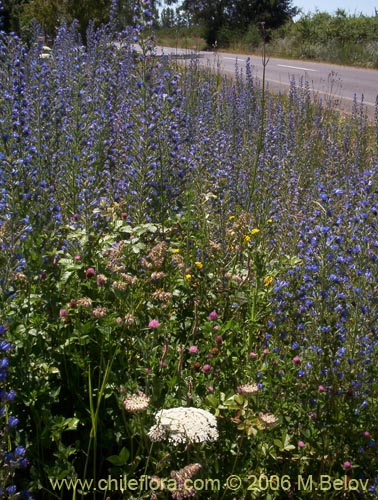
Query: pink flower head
point(63, 313)
point(252, 355)
point(367, 434)
point(216, 327)
point(301, 444)
point(193, 349)
point(77, 257)
point(219, 339)
point(347, 465)
point(206, 368)
point(213, 316)
point(101, 280)
point(210, 388)
point(296, 360)
point(321, 388)
point(266, 351)
point(90, 272)
point(154, 323)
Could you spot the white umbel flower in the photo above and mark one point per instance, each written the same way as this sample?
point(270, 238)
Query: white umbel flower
point(184, 425)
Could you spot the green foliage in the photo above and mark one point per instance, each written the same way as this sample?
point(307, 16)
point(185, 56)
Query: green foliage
point(339, 38)
point(114, 317)
point(223, 15)
point(78, 328)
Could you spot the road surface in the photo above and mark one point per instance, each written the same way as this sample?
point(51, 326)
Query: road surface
point(342, 84)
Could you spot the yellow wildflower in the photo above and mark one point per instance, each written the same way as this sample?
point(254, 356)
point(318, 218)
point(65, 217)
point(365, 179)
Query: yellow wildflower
point(270, 221)
point(268, 280)
point(188, 276)
point(199, 265)
point(176, 250)
point(231, 217)
point(255, 231)
point(247, 238)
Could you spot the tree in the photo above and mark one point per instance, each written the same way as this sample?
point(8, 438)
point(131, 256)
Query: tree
point(17, 15)
point(215, 15)
point(9, 15)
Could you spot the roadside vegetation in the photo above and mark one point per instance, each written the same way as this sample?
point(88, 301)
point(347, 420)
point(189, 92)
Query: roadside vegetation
point(188, 279)
point(339, 38)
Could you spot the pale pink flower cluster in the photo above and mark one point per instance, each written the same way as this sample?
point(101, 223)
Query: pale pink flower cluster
point(136, 402)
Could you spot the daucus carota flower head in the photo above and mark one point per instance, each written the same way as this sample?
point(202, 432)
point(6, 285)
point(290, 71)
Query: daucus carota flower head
point(184, 425)
point(268, 419)
point(248, 389)
point(135, 403)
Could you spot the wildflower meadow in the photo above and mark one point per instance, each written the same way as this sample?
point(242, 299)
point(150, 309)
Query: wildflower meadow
point(188, 279)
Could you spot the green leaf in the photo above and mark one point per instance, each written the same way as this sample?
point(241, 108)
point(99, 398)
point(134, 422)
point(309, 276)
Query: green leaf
point(121, 459)
point(66, 276)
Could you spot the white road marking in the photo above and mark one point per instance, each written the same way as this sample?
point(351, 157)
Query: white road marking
point(295, 67)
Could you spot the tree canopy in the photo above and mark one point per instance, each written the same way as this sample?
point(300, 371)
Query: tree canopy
point(215, 15)
point(16, 15)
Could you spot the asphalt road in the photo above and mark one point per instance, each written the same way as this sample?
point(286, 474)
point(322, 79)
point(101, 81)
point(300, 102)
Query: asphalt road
point(341, 84)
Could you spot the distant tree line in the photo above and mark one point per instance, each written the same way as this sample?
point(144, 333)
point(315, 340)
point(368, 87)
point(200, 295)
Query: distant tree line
point(218, 17)
point(18, 15)
point(221, 23)
point(212, 15)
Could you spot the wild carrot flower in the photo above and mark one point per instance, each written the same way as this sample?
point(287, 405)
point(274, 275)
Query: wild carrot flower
point(248, 389)
point(184, 425)
point(268, 419)
point(135, 403)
